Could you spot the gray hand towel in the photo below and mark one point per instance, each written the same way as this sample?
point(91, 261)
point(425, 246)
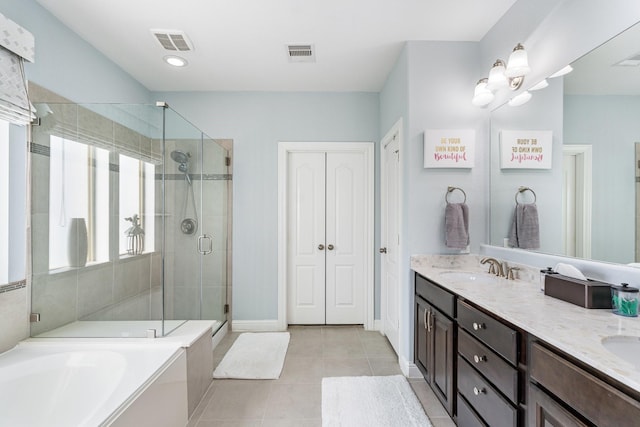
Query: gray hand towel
point(525, 228)
point(456, 222)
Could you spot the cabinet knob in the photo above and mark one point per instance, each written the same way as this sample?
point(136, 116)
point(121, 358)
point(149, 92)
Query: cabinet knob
point(330, 247)
point(478, 326)
point(479, 359)
point(321, 247)
point(478, 391)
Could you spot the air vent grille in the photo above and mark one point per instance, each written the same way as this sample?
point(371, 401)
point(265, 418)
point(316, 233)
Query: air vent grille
point(301, 53)
point(632, 61)
point(173, 40)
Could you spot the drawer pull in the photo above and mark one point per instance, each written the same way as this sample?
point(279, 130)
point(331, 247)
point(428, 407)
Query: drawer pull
point(478, 391)
point(478, 326)
point(479, 359)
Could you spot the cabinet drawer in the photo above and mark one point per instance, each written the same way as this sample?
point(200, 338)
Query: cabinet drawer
point(599, 402)
point(503, 376)
point(488, 403)
point(466, 417)
point(436, 296)
point(490, 331)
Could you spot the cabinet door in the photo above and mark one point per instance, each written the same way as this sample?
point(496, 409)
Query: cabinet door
point(442, 329)
point(545, 412)
point(422, 337)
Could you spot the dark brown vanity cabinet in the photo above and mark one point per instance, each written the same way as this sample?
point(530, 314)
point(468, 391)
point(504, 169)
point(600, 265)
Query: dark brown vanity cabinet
point(491, 370)
point(565, 393)
point(435, 339)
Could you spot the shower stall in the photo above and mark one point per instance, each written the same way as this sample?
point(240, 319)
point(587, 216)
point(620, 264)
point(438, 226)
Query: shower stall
point(130, 221)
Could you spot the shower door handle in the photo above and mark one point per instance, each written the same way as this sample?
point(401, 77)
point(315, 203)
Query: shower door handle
point(207, 251)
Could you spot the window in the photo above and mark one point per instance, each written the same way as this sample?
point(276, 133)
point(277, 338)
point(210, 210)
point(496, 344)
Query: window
point(137, 197)
point(78, 188)
point(4, 202)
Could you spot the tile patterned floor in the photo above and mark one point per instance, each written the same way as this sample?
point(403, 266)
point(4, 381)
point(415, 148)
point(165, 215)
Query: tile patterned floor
point(295, 398)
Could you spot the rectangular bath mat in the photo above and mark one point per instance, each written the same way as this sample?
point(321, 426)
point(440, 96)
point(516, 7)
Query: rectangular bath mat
point(371, 401)
point(254, 356)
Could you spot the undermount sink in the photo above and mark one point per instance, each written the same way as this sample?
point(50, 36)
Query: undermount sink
point(465, 276)
point(625, 347)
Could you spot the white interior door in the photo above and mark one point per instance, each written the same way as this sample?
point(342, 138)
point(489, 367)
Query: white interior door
point(326, 235)
point(390, 203)
point(345, 238)
point(306, 238)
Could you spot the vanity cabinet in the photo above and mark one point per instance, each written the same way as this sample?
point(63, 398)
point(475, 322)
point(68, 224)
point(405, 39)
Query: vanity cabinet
point(491, 370)
point(565, 393)
point(435, 339)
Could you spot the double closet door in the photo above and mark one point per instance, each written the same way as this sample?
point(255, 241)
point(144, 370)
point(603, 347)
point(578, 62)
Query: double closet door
point(326, 236)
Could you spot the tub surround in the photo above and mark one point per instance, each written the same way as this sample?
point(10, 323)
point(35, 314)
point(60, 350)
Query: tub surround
point(574, 330)
point(144, 374)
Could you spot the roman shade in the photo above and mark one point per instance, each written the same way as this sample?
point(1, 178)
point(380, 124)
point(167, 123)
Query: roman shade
point(16, 46)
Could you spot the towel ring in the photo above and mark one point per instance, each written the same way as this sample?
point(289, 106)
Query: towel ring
point(450, 190)
point(522, 190)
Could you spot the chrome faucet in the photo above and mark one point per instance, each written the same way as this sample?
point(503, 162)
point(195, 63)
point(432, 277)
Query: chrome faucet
point(495, 266)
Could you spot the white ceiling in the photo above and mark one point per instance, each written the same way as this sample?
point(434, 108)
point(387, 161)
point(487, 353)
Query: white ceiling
point(240, 44)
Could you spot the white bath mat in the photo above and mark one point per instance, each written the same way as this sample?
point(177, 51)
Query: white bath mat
point(370, 401)
point(254, 356)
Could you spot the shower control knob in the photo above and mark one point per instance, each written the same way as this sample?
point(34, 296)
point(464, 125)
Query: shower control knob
point(321, 247)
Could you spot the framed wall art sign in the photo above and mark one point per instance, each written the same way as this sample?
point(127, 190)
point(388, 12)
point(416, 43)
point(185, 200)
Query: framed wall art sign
point(525, 149)
point(449, 148)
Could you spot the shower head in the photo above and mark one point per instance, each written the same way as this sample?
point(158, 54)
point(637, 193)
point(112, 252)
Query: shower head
point(180, 156)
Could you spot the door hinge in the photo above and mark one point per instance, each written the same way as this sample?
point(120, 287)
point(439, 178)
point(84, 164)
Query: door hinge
point(226, 308)
point(34, 317)
point(227, 161)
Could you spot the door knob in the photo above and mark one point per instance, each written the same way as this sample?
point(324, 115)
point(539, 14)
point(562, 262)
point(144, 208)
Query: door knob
point(330, 247)
point(383, 250)
point(321, 247)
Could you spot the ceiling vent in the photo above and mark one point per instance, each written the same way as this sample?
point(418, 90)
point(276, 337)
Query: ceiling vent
point(632, 61)
point(173, 40)
point(301, 53)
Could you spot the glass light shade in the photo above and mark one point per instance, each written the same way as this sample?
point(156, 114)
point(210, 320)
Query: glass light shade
point(518, 64)
point(562, 72)
point(520, 99)
point(540, 85)
point(176, 61)
point(481, 95)
point(497, 79)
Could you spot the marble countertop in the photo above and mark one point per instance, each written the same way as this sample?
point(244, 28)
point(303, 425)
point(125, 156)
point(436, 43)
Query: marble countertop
point(575, 330)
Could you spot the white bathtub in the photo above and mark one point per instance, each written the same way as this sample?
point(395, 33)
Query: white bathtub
point(86, 384)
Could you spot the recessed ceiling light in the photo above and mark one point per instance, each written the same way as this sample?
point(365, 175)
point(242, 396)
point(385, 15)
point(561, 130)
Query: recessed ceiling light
point(175, 61)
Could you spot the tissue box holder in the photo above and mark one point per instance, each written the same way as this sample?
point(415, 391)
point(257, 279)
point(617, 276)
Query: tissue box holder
point(585, 293)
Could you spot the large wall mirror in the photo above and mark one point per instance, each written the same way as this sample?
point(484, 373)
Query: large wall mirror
point(587, 201)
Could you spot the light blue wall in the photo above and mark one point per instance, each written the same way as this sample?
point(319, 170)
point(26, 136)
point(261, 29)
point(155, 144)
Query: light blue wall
point(68, 65)
point(256, 121)
point(610, 124)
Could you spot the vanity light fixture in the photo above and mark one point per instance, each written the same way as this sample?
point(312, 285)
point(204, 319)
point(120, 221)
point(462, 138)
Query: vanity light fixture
point(175, 61)
point(503, 75)
point(520, 99)
point(540, 85)
point(481, 95)
point(562, 72)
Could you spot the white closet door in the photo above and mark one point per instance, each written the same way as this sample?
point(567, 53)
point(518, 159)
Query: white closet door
point(306, 238)
point(345, 238)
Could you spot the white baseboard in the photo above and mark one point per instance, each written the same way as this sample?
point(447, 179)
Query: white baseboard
point(255, 326)
point(377, 325)
point(409, 369)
